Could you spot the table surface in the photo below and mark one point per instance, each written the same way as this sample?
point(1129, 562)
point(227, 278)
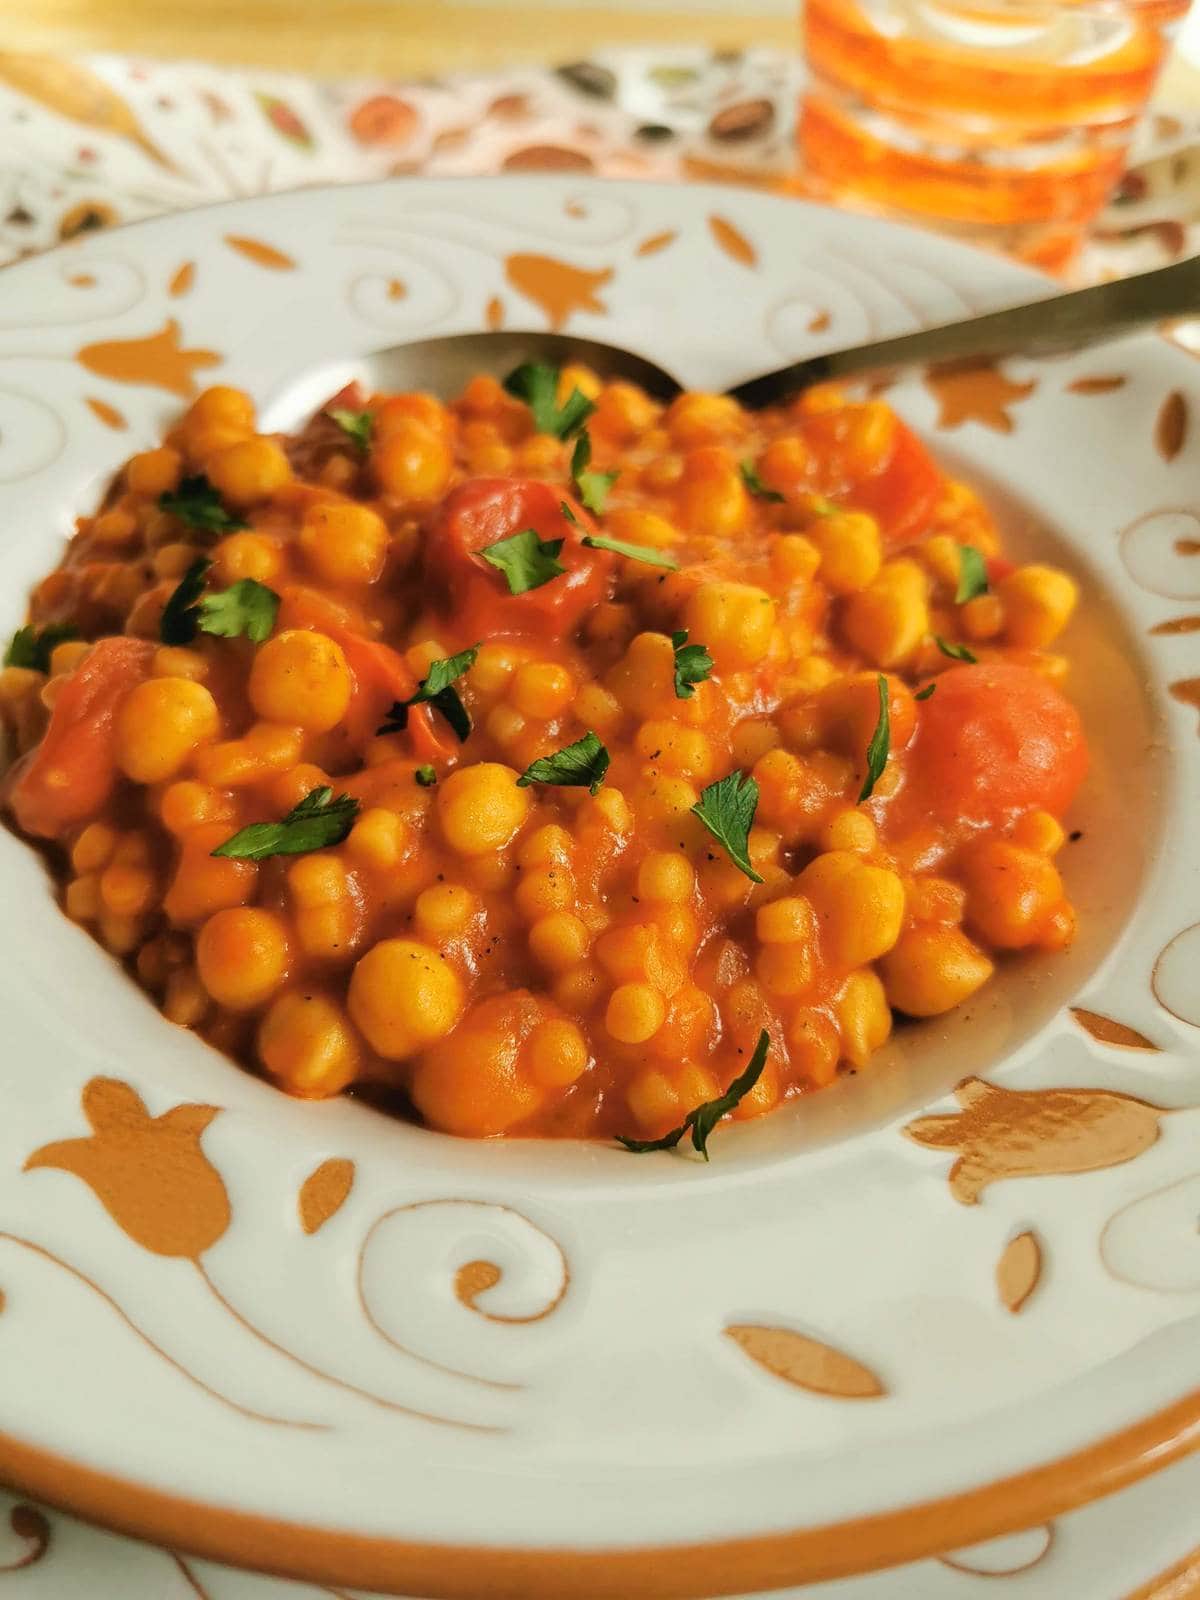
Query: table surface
point(383, 37)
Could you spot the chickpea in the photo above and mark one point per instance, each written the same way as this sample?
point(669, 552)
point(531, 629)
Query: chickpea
point(246, 555)
point(696, 418)
point(795, 559)
point(1012, 893)
point(443, 911)
point(859, 908)
point(814, 1046)
point(344, 542)
point(734, 621)
point(1038, 602)
point(223, 405)
point(476, 1082)
point(403, 996)
point(242, 956)
point(187, 804)
point(558, 941)
point(851, 550)
point(204, 883)
point(249, 471)
point(790, 920)
point(712, 498)
point(154, 472)
point(480, 808)
point(933, 968)
point(864, 1017)
point(160, 723)
point(308, 1046)
point(666, 876)
point(379, 839)
point(557, 1053)
point(887, 620)
point(542, 689)
point(635, 1013)
point(413, 463)
point(301, 679)
point(642, 527)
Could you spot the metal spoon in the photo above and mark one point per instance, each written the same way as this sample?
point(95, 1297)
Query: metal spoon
point(1059, 322)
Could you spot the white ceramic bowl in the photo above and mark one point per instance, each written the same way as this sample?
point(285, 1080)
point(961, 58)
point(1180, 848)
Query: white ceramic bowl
point(305, 1338)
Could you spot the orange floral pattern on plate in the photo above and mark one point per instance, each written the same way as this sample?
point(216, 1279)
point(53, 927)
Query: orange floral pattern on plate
point(149, 1173)
point(156, 359)
point(1029, 1133)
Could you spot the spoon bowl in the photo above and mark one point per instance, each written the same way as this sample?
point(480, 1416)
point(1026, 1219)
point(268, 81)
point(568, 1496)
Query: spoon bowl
point(1058, 322)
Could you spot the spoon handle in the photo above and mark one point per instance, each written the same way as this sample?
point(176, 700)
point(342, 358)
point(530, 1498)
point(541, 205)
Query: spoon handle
point(1061, 322)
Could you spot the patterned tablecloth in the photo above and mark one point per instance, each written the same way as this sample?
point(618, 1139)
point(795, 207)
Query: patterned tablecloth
point(90, 143)
point(86, 143)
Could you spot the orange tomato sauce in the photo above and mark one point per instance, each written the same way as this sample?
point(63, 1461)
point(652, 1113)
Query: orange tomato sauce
point(505, 957)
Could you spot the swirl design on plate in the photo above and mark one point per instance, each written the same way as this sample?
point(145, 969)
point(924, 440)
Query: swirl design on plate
point(1161, 552)
point(32, 1528)
point(425, 295)
point(157, 1184)
point(1174, 977)
point(90, 291)
point(595, 221)
point(32, 435)
point(1007, 1557)
point(521, 1279)
point(1153, 1242)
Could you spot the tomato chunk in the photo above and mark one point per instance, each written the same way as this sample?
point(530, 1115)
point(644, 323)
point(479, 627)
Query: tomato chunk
point(381, 675)
point(902, 495)
point(73, 771)
point(476, 595)
point(997, 738)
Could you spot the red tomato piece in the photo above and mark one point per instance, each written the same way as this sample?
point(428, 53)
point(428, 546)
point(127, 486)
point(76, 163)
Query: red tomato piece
point(381, 674)
point(996, 738)
point(71, 774)
point(902, 495)
point(475, 595)
point(999, 568)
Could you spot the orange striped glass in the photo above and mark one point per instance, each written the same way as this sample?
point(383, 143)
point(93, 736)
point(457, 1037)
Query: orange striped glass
point(1005, 120)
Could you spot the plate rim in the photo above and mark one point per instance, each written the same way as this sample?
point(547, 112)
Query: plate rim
point(695, 1571)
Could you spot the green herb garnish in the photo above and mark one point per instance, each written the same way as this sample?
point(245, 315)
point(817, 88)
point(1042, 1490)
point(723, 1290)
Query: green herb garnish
point(318, 821)
point(956, 652)
point(537, 385)
point(356, 425)
point(705, 1117)
point(246, 609)
point(526, 561)
point(581, 765)
point(877, 750)
point(32, 647)
point(425, 776)
point(181, 614)
point(693, 665)
point(972, 575)
point(635, 552)
point(926, 693)
point(726, 808)
point(198, 504)
point(435, 688)
point(592, 487)
point(753, 482)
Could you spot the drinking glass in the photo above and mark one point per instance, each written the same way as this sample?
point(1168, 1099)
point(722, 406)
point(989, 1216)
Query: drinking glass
point(1007, 121)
